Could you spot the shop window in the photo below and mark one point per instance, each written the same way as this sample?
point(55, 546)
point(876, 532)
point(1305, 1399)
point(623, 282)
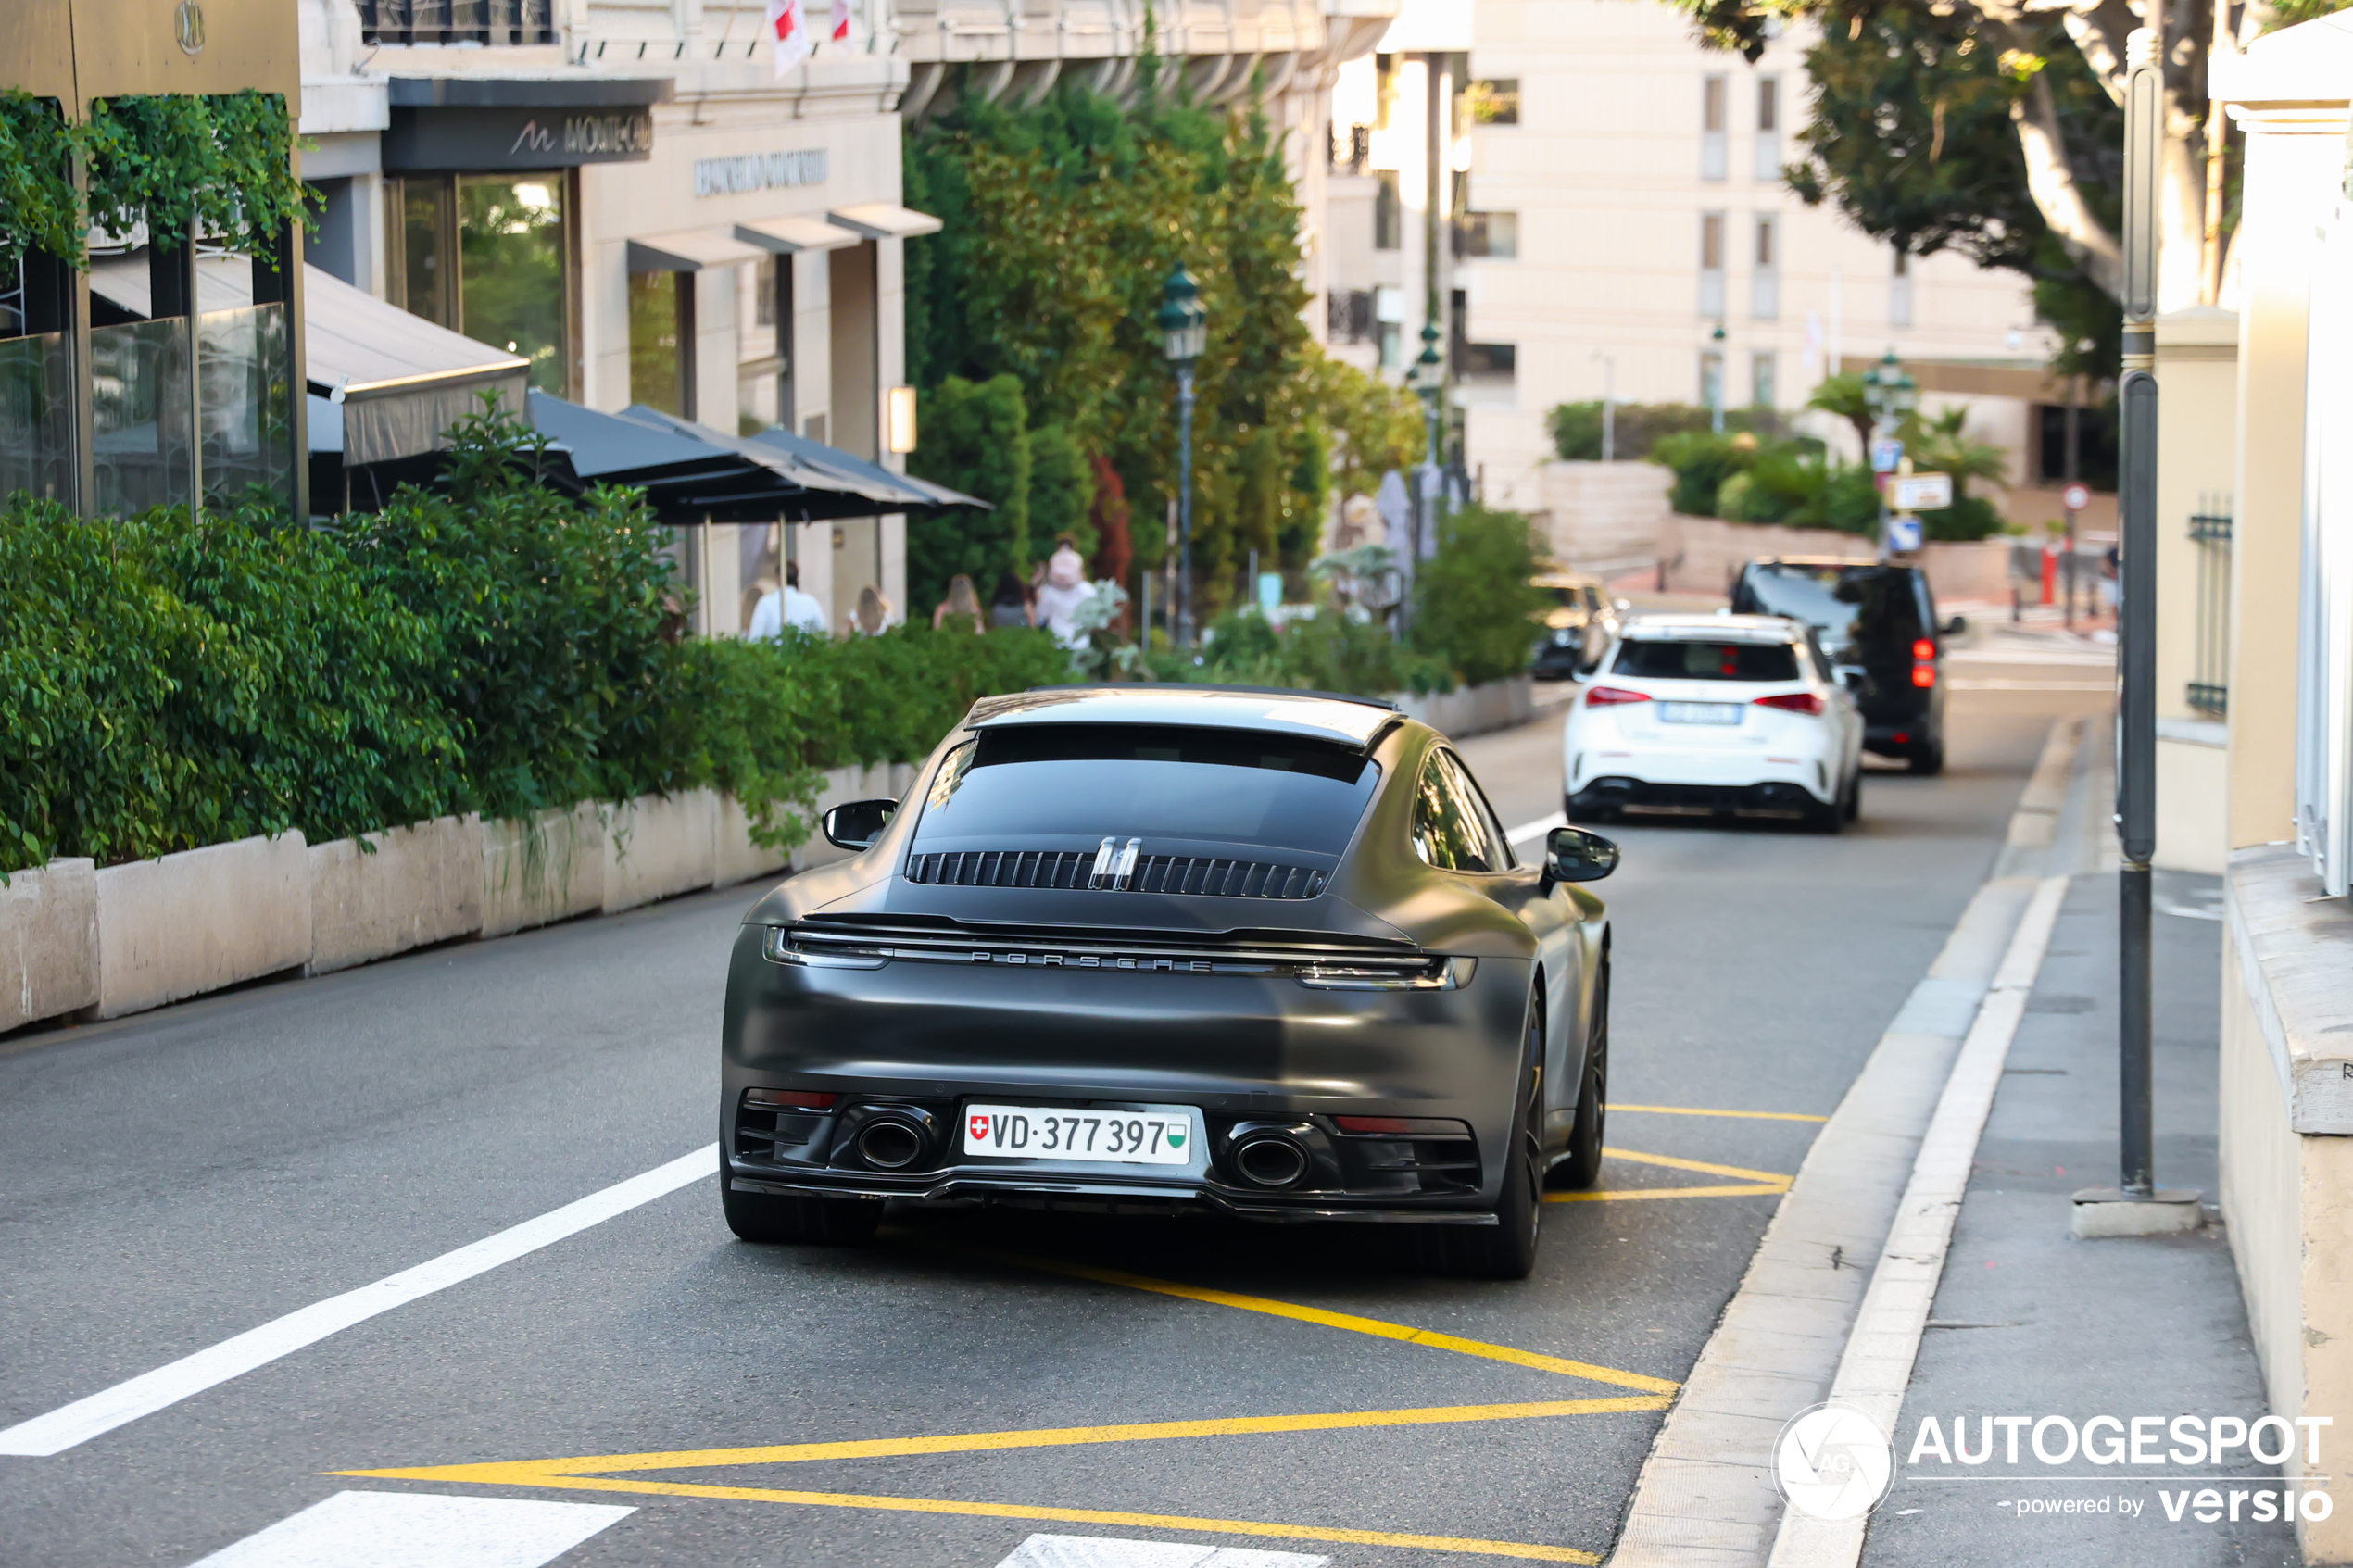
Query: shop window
point(661, 340)
point(484, 255)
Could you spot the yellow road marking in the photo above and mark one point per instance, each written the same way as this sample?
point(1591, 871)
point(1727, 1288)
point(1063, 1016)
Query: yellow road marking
point(1348, 1321)
point(1775, 1188)
point(1527, 1551)
point(547, 1471)
point(1671, 1162)
point(1693, 1111)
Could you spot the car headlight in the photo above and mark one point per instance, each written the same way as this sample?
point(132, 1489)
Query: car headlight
point(1438, 974)
point(1563, 637)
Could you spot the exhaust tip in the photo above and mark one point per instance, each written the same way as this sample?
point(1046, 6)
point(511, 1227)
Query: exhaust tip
point(1270, 1161)
point(889, 1144)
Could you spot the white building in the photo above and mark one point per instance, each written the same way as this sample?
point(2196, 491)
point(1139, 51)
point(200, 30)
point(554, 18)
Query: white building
point(1620, 197)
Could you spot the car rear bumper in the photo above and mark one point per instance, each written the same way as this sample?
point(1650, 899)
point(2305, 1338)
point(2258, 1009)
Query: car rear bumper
point(1718, 777)
point(1251, 1053)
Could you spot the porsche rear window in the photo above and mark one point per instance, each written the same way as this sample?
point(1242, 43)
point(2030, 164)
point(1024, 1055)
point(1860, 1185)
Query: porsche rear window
point(1180, 790)
point(1661, 659)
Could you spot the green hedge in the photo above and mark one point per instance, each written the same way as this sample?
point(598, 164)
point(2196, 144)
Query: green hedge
point(167, 683)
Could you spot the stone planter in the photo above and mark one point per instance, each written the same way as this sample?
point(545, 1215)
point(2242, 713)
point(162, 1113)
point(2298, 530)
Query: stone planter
point(421, 884)
point(201, 920)
point(1474, 710)
point(48, 942)
point(657, 847)
point(538, 869)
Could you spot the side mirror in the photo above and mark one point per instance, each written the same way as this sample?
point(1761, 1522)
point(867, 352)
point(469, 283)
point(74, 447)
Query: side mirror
point(1575, 855)
point(1957, 626)
point(855, 824)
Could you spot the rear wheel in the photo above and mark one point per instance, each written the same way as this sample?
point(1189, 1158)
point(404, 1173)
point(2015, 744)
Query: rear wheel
point(1928, 758)
point(1854, 804)
point(772, 1217)
point(1582, 1167)
point(1507, 1248)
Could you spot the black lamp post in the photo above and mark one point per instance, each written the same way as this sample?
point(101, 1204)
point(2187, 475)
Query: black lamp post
point(1184, 333)
point(1891, 393)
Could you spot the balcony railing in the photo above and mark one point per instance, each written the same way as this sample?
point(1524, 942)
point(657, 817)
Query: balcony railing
point(457, 21)
point(2209, 690)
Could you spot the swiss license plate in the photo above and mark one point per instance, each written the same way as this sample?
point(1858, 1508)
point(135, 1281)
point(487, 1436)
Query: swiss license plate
point(1095, 1138)
point(1699, 712)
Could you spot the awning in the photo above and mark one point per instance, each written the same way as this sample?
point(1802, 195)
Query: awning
point(885, 221)
point(832, 459)
point(785, 236)
point(401, 380)
point(691, 250)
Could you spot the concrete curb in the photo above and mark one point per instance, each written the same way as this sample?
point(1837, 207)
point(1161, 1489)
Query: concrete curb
point(1706, 1495)
point(201, 920)
point(393, 891)
point(1474, 710)
point(49, 938)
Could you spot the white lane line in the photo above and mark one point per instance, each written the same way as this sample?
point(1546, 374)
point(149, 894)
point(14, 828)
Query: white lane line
point(1876, 1368)
point(419, 1530)
point(1106, 1551)
point(1536, 829)
point(86, 1418)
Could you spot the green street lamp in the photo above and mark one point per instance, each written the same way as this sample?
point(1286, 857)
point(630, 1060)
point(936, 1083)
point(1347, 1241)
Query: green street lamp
point(1716, 388)
point(1891, 393)
point(1184, 335)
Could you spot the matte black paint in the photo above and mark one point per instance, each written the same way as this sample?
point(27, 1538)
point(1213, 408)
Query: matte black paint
point(1266, 1049)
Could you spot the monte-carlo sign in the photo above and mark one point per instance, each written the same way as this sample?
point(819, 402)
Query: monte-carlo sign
point(439, 139)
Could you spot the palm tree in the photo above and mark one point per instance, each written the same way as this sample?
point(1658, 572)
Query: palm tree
point(1845, 396)
point(1942, 446)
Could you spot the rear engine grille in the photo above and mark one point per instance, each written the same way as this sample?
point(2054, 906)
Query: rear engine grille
point(1154, 873)
point(1004, 868)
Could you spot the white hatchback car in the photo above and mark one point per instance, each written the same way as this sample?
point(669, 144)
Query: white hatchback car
point(1730, 713)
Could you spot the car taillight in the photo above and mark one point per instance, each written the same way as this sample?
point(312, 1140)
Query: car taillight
point(1606, 696)
point(1793, 702)
point(1924, 650)
point(789, 1099)
point(1923, 663)
point(1923, 675)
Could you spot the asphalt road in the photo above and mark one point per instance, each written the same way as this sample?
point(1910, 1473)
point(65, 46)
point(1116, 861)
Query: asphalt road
point(170, 1181)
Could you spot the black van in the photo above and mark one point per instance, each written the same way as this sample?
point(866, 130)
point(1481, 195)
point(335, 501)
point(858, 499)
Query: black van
point(1877, 624)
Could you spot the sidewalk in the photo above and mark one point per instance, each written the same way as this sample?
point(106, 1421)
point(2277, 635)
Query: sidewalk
point(2029, 1321)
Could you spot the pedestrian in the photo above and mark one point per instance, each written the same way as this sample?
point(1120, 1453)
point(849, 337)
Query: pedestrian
point(1064, 590)
point(1009, 606)
point(961, 605)
point(873, 615)
point(778, 608)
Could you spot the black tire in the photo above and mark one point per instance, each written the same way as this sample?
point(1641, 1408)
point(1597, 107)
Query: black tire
point(1927, 759)
point(1588, 815)
point(1825, 816)
point(1506, 1249)
point(772, 1217)
point(1581, 1167)
point(1854, 795)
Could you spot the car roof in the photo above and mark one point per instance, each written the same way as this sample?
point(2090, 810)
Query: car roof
point(1845, 563)
point(1326, 716)
point(1743, 628)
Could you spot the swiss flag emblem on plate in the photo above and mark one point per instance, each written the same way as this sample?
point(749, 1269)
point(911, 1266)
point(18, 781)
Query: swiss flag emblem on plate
point(980, 1128)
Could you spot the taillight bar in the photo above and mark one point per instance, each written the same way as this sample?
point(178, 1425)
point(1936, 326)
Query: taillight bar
point(789, 1099)
point(1793, 702)
point(1609, 697)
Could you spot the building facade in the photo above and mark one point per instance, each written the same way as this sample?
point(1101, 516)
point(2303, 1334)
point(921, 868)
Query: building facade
point(631, 200)
point(1625, 203)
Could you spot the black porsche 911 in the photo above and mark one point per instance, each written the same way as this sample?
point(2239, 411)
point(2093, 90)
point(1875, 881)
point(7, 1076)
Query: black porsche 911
point(1164, 948)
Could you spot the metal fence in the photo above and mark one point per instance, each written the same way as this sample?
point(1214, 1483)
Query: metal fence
point(2209, 690)
point(457, 21)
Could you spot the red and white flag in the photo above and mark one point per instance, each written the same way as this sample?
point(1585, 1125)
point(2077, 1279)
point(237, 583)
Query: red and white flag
point(789, 23)
point(841, 21)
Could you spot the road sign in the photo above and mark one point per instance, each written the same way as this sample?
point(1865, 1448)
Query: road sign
point(1886, 455)
point(2075, 497)
point(1921, 492)
point(1903, 536)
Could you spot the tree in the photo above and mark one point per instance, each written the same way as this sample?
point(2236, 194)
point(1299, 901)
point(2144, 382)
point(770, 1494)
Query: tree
point(1061, 488)
point(1473, 602)
point(1374, 427)
point(976, 440)
point(2018, 37)
point(1911, 136)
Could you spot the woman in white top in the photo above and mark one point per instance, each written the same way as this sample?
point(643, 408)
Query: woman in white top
point(1064, 590)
